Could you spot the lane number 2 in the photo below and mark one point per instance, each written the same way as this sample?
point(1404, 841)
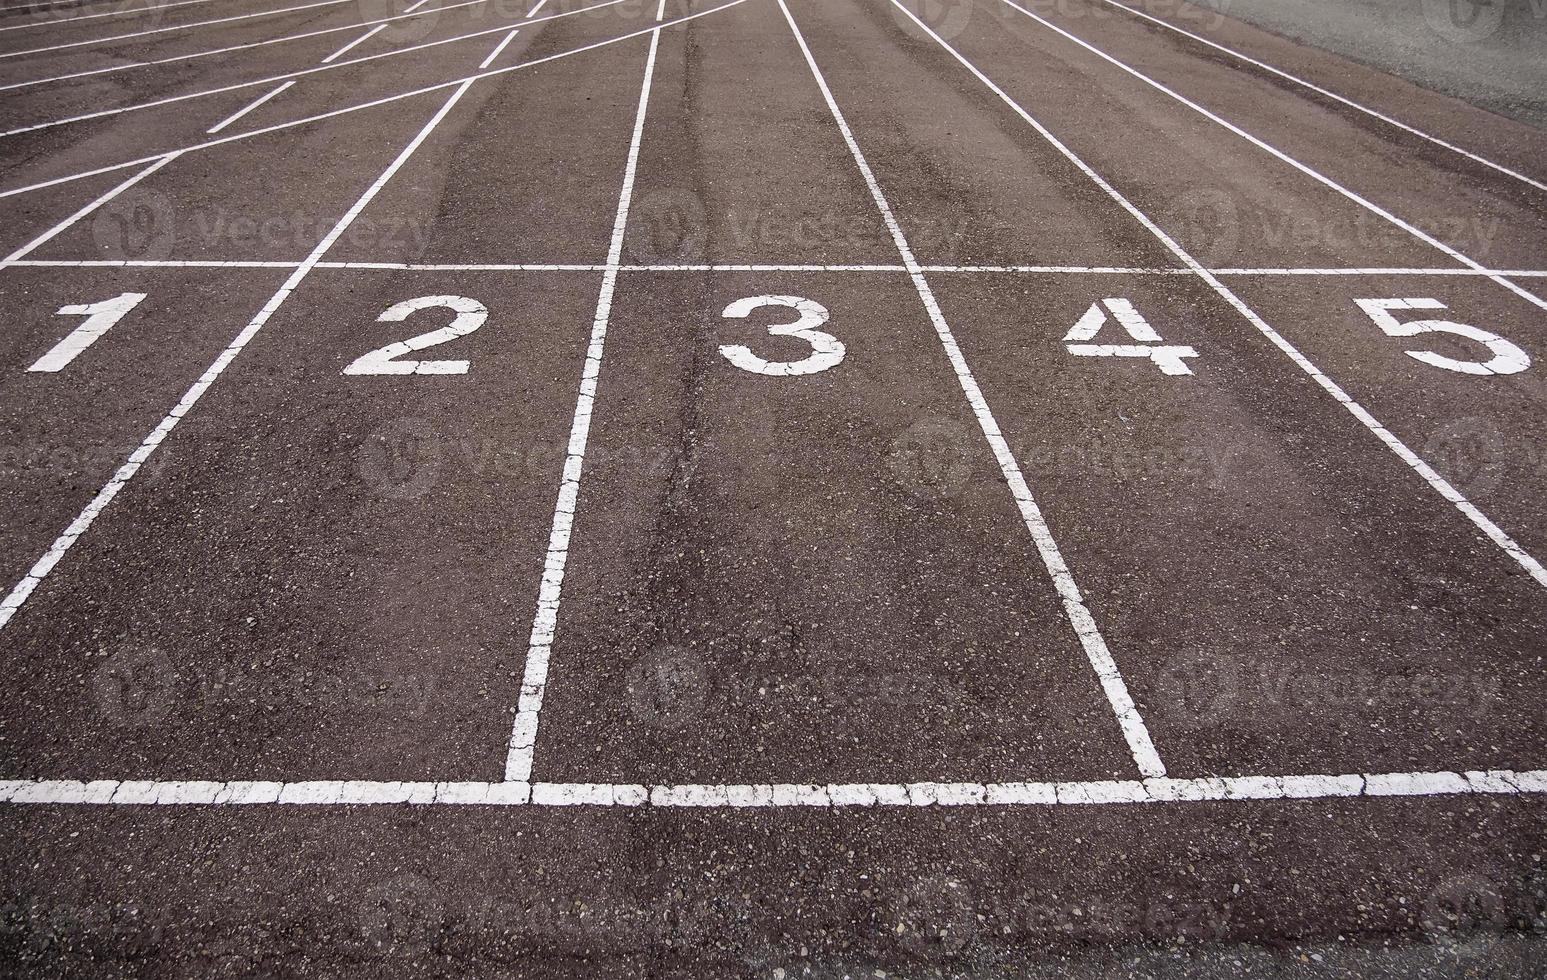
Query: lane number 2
point(1507, 358)
point(470, 315)
point(100, 318)
point(826, 350)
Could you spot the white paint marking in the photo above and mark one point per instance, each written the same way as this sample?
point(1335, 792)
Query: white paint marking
point(1169, 358)
point(599, 267)
point(1423, 469)
point(826, 350)
point(227, 50)
point(238, 86)
point(1334, 96)
point(1507, 357)
point(15, 258)
point(355, 43)
point(470, 315)
point(498, 48)
point(122, 12)
point(1112, 683)
point(100, 318)
point(523, 734)
point(175, 27)
point(388, 100)
point(29, 582)
point(249, 107)
point(835, 796)
point(1309, 171)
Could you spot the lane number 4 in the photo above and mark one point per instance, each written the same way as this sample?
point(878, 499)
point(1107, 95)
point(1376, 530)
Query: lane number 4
point(1170, 358)
point(1507, 358)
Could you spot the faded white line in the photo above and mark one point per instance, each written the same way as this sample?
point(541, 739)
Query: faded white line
point(1309, 171)
point(1135, 733)
point(40, 570)
point(248, 108)
point(388, 100)
point(523, 734)
point(302, 73)
point(353, 44)
point(122, 12)
point(1423, 469)
point(174, 27)
point(16, 257)
point(836, 796)
point(723, 267)
point(235, 47)
point(1334, 96)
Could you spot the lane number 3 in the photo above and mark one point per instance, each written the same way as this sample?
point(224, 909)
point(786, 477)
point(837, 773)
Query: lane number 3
point(1507, 358)
point(826, 350)
point(470, 315)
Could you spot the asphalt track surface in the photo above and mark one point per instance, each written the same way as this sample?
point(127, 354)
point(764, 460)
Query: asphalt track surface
point(885, 494)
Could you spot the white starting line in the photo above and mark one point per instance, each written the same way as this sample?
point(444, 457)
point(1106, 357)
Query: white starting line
point(342, 792)
point(738, 267)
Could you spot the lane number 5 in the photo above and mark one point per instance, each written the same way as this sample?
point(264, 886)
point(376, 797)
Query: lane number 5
point(826, 350)
point(1507, 358)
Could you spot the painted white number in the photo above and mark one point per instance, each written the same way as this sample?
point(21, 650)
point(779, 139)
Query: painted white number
point(100, 318)
point(1507, 358)
point(826, 350)
point(1169, 358)
point(470, 316)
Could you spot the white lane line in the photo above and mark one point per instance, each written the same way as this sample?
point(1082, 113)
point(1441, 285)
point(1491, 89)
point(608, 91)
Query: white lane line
point(1423, 469)
point(307, 120)
point(238, 86)
point(498, 48)
point(235, 47)
point(174, 27)
point(1517, 273)
point(29, 583)
point(511, 36)
point(248, 107)
point(122, 12)
point(1127, 713)
point(1334, 96)
point(17, 256)
point(152, 264)
point(836, 796)
point(931, 269)
point(356, 42)
point(523, 734)
point(1309, 171)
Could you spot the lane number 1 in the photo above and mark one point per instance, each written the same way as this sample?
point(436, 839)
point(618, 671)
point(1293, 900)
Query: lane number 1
point(100, 318)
